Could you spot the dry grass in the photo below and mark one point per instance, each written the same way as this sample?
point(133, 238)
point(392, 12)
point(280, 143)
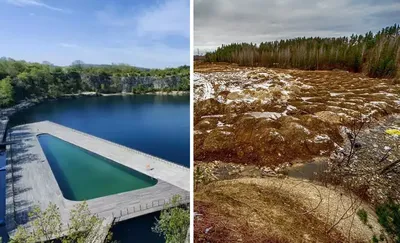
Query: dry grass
point(277, 210)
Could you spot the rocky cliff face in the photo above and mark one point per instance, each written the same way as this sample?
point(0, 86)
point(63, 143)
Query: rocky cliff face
point(128, 83)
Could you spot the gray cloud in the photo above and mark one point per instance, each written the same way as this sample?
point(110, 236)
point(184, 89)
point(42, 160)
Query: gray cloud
point(219, 22)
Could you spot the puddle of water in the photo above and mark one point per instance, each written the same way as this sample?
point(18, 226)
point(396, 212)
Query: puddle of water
point(307, 171)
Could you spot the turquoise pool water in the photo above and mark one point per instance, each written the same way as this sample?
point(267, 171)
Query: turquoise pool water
point(83, 175)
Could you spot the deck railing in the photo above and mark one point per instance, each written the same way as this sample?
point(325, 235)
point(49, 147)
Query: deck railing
point(159, 204)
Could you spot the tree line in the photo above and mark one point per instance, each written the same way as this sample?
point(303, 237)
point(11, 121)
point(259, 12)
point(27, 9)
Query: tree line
point(21, 80)
point(377, 55)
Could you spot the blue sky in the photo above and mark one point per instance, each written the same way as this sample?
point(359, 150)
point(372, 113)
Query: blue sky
point(151, 33)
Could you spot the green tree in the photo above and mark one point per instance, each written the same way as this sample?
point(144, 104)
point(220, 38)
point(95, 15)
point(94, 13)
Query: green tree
point(82, 225)
point(389, 217)
point(6, 92)
point(32, 80)
point(54, 91)
point(47, 226)
point(378, 55)
point(174, 222)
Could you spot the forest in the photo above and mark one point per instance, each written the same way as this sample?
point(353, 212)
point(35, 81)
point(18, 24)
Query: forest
point(377, 55)
point(21, 80)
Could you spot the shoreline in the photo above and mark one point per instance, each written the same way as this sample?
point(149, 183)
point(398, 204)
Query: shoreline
point(25, 104)
point(149, 93)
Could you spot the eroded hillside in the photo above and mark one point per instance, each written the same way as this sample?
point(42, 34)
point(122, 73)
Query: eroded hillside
point(271, 116)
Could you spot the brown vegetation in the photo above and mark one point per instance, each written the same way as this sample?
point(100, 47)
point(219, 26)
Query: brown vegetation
point(296, 115)
point(278, 210)
point(258, 121)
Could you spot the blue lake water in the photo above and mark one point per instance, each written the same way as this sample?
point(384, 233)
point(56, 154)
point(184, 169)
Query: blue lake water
point(154, 124)
point(132, 231)
point(2, 185)
point(3, 231)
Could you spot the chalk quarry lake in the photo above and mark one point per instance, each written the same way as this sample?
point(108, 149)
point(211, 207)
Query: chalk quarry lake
point(154, 124)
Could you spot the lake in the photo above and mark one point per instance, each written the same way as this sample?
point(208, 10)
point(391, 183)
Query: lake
point(155, 124)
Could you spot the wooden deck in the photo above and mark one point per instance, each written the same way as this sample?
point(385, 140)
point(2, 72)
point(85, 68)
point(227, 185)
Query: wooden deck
point(3, 128)
point(30, 180)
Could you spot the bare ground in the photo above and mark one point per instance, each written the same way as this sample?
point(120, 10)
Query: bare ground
point(272, 116)
point(259, 121)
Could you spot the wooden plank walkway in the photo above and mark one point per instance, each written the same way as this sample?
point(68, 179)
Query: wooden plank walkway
point(30, 180)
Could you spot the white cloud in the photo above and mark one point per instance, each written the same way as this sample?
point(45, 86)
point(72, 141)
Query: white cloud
point(140, 35)
point(68, 45)
point(36, 3)
point(171, 17)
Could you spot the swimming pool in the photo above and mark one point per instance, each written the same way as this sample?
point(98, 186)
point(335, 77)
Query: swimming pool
point(83, 175)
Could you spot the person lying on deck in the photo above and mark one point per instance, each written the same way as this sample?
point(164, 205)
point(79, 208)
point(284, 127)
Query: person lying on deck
point(148, 167)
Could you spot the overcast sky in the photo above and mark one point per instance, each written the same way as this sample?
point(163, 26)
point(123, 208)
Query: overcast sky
point(151, 33)
point(219, 22)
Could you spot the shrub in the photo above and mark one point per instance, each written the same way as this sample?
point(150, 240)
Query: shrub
point(389, 217)
point(363, 215)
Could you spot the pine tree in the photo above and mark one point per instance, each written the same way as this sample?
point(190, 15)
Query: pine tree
point(378, 55)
